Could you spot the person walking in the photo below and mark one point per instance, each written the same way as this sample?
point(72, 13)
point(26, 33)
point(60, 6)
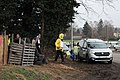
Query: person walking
point(59, 47)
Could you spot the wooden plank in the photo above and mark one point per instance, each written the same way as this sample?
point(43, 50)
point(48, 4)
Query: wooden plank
point(15, 58)
point(18, 54)
point(26, 52)
point(15, 63)
point(17, 44)
point(16, 48)
point(11, 60)
point(27, 65)
point(1, 49)
point(28, 44)
point(29, 49)
point(27, 62)
point(12, 55)
point(16, 51)
point(29, 57)
point(5, 57)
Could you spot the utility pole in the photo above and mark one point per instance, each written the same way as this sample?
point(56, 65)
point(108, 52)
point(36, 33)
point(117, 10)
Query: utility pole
point(71, 37)
point(106, 34)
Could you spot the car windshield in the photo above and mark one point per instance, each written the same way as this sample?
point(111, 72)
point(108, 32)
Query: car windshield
point(97, 45)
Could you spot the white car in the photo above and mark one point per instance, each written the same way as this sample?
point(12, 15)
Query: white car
point(95, 50)
point(117, 46)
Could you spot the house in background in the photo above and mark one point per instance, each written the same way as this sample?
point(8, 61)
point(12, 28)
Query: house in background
point(117, 35)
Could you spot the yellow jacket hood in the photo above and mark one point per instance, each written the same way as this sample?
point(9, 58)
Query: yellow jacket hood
point(61, 35)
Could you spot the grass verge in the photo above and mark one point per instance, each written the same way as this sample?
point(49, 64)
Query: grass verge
point(20, 73)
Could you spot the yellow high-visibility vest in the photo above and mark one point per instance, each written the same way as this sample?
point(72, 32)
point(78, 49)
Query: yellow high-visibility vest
point(9, 41)
point(76, 50)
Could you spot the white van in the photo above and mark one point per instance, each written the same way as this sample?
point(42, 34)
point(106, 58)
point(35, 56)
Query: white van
point(95, 50)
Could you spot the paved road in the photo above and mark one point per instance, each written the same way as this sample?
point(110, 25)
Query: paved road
point(116, 56)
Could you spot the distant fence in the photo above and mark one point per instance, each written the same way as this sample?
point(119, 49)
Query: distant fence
point(22, 54)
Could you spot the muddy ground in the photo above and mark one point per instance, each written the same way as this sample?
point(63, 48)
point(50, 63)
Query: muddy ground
point(81, 70)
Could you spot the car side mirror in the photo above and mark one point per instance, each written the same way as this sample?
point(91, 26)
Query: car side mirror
point(84, 48)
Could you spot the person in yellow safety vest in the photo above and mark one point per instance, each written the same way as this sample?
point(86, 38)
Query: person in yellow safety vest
point(76, 50)
point(8, 41)
point(59, 48)
point(9, 44)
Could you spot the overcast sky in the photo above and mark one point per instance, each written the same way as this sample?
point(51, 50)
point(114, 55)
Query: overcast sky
point(110, 14)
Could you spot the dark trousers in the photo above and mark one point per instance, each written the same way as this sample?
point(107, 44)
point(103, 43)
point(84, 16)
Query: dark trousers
point(59, 52)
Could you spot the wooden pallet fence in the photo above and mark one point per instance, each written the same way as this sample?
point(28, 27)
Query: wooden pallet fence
point(28, 54)
point(22, 54)
point(16, 52)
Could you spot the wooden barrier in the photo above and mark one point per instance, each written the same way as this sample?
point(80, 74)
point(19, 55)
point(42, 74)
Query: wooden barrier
point(16, 52)
point(22, 54)
point(28, 54)
point(3, 49)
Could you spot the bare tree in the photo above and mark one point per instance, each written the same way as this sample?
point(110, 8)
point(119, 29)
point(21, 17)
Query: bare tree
point(88, 9)
point(108, 30)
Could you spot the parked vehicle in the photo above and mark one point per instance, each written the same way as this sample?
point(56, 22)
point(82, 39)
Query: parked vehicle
point(111, 44)
point(95, 50)
point(117, 45)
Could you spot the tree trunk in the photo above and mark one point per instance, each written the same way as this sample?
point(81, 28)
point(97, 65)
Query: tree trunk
point(42, 34)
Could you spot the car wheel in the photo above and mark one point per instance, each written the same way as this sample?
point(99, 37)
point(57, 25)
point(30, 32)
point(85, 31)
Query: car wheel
point(79, 58)
point(88, 60)
point(110, 62)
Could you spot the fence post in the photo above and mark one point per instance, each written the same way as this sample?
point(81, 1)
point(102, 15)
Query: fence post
point(5, 57)
point(23, 51)
point(1, 49)
point(5, 48)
